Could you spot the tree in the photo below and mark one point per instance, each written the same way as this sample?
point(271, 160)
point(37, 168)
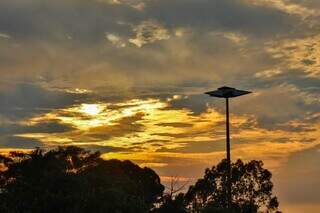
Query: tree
point(251, 189)
point(170, 204)
point(173, 199)
point(70, 179)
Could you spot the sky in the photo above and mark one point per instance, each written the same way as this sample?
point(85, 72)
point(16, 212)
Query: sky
point(127, 78)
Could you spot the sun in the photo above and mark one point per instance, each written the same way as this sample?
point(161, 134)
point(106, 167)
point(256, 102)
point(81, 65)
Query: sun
point(91, 109)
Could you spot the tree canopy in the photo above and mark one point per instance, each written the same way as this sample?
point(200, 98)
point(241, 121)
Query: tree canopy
point(251, 189)
point(71, 179)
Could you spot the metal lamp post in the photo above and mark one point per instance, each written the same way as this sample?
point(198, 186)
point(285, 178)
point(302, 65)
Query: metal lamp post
point(227, 92)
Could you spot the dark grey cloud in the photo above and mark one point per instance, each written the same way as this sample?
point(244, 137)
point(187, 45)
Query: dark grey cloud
point(88, 21)
point(58, 20)
point(283, 102)
point(291, 76)
point(224, 15)
point(26, 99)
point(121, 128)
point(196, 103)
point(19, 142)
point(49, 126)
point(93, 60)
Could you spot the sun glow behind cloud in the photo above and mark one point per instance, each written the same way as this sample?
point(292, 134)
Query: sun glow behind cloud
point(151, 132)
point(91, 109)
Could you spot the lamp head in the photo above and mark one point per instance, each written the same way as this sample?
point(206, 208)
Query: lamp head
point(227, 92)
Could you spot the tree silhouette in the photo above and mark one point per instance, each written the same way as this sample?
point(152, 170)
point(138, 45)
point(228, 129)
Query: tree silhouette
point(71, 179)
point(251, 189)
point(172, 200)
point(170, 204)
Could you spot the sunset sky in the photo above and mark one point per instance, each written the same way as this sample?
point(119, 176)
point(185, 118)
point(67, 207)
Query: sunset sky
point(127, 78)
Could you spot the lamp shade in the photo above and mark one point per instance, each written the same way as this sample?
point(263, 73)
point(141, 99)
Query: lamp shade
point(227, 92)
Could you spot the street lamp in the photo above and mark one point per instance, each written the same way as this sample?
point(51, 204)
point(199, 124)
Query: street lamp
point(227, 92)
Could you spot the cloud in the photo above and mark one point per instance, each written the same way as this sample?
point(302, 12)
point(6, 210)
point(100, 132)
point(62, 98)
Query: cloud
point(290, 7)
point(300, 175)
point(14, 142)
point(121, 128)
point(246, 17)
point(136, 4)
point(277, 107)
point(196, 103)
point(59, 20)
point(149, 32)
point(197, 147)
point(115, 40)
point(235, 37)
point(26, 99)
point(103, 149)
point(194, 56)
point(268, 73)
point(4, 36)
point(176, 124)
point(300, 54)
point(46, 126)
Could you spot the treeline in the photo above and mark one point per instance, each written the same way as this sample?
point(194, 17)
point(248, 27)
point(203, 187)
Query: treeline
point(71, 179)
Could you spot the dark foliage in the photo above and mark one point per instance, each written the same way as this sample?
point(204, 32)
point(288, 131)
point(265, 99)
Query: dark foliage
point(170, 204)
point(74, 180)
point(71, 179)
point(251, 189)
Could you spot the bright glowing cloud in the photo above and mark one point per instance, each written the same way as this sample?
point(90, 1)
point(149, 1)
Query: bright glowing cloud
point(90, 109)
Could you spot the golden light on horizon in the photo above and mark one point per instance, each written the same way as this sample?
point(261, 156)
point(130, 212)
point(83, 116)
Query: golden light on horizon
point(152, 133)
